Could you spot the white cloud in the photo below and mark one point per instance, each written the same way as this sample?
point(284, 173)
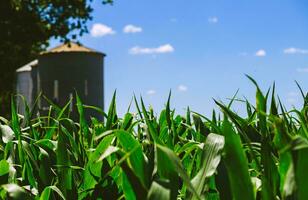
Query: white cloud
point(132, 29)
point(182, 88)
point(302, 70)
point(212, 20)
point(167, 48)
point(261, 53)
point(99, 30)
point(293, 50)
point(151, 92)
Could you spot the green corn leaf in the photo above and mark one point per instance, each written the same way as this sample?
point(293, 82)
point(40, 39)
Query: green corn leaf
point(236, 164)
point(153, 132)
point(7, 133)
point(60, 114)
point(137, 106)
point(169, 166)
point(211, 158)
point(158, 192)
point(301, 174)
point(4, 171)
point(4, 167)
point(137, 159)
point(16, 192)
point(270, 176)
point(46, 194)
point(134, 182)
point(127, 188)
point(64, 174)
point(200, 127)
point(93, 167)
point(83, 123)
point(17, 131)
point(111, 112)
point(127, 121)
point(168, 117)
point(110, 150)
point(273, 110)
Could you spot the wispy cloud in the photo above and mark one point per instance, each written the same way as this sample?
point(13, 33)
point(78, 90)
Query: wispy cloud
point(302, 70)
point(99, 30)
point(261, 53)
point(243, 54)
point(293, 50)
point(213, 20)
point(132, 29)
point(173, 20)
point(182, 88)
point(151, 92)
point(166, 48)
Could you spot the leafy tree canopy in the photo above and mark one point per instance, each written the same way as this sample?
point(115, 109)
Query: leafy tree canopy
point(26, 27)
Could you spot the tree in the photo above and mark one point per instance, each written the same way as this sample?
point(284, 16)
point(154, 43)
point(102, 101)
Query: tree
point(26, 26)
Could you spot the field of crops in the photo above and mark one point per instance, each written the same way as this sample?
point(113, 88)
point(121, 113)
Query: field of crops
point(262, 155)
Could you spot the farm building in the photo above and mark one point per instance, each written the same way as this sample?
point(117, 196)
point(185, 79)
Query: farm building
point(61, 71)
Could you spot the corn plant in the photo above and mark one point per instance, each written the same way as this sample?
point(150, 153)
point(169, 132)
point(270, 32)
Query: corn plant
point(263, 155)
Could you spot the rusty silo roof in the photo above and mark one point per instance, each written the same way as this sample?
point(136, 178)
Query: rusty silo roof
point(71, 47)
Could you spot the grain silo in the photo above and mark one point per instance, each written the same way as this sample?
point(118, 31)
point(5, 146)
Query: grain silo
point(25, 84)
point(68, 68)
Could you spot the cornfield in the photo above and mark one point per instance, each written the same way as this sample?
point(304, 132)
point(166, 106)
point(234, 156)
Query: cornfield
point(263, 155)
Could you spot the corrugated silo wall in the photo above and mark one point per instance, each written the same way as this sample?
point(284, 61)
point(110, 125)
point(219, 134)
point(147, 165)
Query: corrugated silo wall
point(35, 81)
point(63, 73)
point(24, 87)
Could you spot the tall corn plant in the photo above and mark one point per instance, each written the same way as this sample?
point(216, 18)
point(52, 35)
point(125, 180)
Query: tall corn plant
point(149, 156)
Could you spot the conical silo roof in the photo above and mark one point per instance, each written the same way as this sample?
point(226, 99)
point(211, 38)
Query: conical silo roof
point(71, 47)
point(27, 67)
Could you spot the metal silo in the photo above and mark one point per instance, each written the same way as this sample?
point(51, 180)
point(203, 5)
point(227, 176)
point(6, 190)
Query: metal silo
point(25, 84)
point(69, 68)
point(61, 71)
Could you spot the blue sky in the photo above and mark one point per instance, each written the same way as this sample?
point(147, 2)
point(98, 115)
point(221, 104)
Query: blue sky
point(200, 50)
